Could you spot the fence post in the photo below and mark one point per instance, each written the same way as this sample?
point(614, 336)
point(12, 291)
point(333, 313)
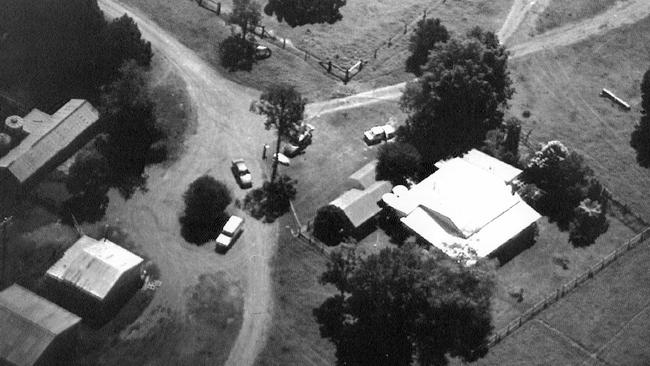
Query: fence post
point(284, 43)
point(262, 31)
point(424, 15)
point(305, 55)
point(405, 28)
point(218, 8)
point(360, 65)
point(329, 66)
point(347, 76)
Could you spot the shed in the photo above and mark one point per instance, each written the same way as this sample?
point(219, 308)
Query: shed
point(34, 331)
point(364, 177)
point(361, 206)
point(96, 276)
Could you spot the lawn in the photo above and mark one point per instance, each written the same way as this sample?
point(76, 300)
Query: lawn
point(560, 89)
point(561, 12)
point(607, 316)
point(367, 25)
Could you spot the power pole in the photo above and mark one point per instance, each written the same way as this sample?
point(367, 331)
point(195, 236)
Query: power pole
point(4, 224)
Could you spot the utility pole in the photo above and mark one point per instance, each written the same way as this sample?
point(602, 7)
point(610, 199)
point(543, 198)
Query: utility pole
point(4, 224)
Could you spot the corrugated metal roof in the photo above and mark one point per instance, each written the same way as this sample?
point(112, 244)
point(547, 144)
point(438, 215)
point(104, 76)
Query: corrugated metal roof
point(48, 135)
point(29, 323)
point(360, 206)
point(94, 266)
point(364, 177)
point(488, 163)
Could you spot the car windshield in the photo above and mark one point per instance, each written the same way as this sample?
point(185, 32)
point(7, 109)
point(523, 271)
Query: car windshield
point(242, 168)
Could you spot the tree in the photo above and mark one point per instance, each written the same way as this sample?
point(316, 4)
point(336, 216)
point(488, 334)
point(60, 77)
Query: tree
point(330, 225)
point(640, 140)
point(272, 200)
point(237, 53)
point(87, 182)
point(301, 12)
point(397, 161)
point(284, 107)
point(589, 222)
point(402, 304)
point(428, 33)
point(205, 202)
point(123, 41)
point(503, 143)
point(461, 95)
point(245, 13)
point(131, 128)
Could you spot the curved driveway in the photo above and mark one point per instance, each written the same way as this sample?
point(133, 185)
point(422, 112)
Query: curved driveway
point(226, 130)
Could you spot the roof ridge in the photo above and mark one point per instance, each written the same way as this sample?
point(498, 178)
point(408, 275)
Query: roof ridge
point(50, 332)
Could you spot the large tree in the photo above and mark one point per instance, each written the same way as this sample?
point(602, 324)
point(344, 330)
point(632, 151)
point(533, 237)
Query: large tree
point(641, 135)
point(402, 304)
point(87, 182)
point(397, 162)
point(302, 12)
point(283, 107)
point(429, 32)
point(331, 226)
point(464, 88)
point(205, 202)
point(589, 222)
point(245, 13)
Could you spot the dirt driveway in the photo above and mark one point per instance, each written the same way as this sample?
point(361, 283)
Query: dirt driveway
point(225, 130)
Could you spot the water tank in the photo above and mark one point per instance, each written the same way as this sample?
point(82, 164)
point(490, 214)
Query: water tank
point(5, 143)
point(14, 126)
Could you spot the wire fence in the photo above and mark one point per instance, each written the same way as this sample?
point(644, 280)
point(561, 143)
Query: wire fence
point(567, 288)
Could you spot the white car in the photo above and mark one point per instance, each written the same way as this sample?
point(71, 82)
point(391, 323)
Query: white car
point(282, 159)
point(230, 232)
point(241, 173)
point(378, 134)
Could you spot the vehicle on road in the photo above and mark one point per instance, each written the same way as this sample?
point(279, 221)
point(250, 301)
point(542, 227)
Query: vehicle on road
point(241, 173)
point(262, 52)
point(378, 134)
point(230, 232)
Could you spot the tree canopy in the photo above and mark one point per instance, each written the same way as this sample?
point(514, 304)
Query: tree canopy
point(640, 140)
point(302, 12)
point(402, 304)
point(245, 13)
point(87, 183)
point(590, 221)
point(429, 32)
point(237, 53)
point(397, 161)
point(283, 107)
point(205, 201)
point(464, 88)
point(331, 226)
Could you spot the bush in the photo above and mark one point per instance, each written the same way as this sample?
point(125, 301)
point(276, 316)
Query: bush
point(205, 202)
point(272, 200)
point(237, 53)
point(331, 226)
point(590, 221)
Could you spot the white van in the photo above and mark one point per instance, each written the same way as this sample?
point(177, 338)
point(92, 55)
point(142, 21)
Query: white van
point(231, 230)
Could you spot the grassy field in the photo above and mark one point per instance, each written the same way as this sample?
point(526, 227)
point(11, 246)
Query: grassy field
point(366, 26)
point(560, 12)
point(560, 88)
point(294, 338)
point(604, 321)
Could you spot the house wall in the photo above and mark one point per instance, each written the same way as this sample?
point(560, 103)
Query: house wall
point(62, 349)
point(524, 240)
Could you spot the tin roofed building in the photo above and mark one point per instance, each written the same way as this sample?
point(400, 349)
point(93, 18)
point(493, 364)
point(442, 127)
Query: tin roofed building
point(33, 330)
point(98, 275)
point(32, 145)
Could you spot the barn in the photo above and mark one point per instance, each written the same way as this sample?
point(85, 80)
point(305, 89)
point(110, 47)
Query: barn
point(94, 278)
point(33, 330)
point(32, 145)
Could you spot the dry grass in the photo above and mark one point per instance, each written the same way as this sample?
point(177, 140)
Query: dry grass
point(561, 12)
point(560, 88)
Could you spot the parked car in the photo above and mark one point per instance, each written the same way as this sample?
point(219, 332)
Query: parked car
point(262, 52)
point(241, 173)
point(290, 150)
point(230, 232)
point(282, 159)
point(378, 134)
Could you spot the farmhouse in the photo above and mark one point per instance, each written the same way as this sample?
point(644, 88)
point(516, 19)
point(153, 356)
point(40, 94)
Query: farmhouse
point(32, 145)
point(466, 209)
point(96, 276)
point(360, 204)
point(33, 330)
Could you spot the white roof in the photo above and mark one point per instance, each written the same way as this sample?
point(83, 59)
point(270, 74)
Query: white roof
point(224, 240)
point(364, 177)
point(488, 163)
point(463, 209)
point(94, 266)
point(232, 225)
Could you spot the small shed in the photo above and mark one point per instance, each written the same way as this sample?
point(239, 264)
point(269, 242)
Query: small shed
point(96, 277)
point(361, 206)
point(33, 330)
point(364, 177)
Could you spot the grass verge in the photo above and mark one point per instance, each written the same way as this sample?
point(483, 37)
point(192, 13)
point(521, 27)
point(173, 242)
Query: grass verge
point(561, 12)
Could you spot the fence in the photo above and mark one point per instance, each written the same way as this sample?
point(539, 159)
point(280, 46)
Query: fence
point(567, 287)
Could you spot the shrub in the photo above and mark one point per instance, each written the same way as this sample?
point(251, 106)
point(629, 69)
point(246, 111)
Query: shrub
point(272, 200)
point(330, 225)
point(205, 202)
point(237, 53)
point(590, 221)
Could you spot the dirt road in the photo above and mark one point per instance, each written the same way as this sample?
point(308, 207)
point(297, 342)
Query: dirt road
point(225, 130)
